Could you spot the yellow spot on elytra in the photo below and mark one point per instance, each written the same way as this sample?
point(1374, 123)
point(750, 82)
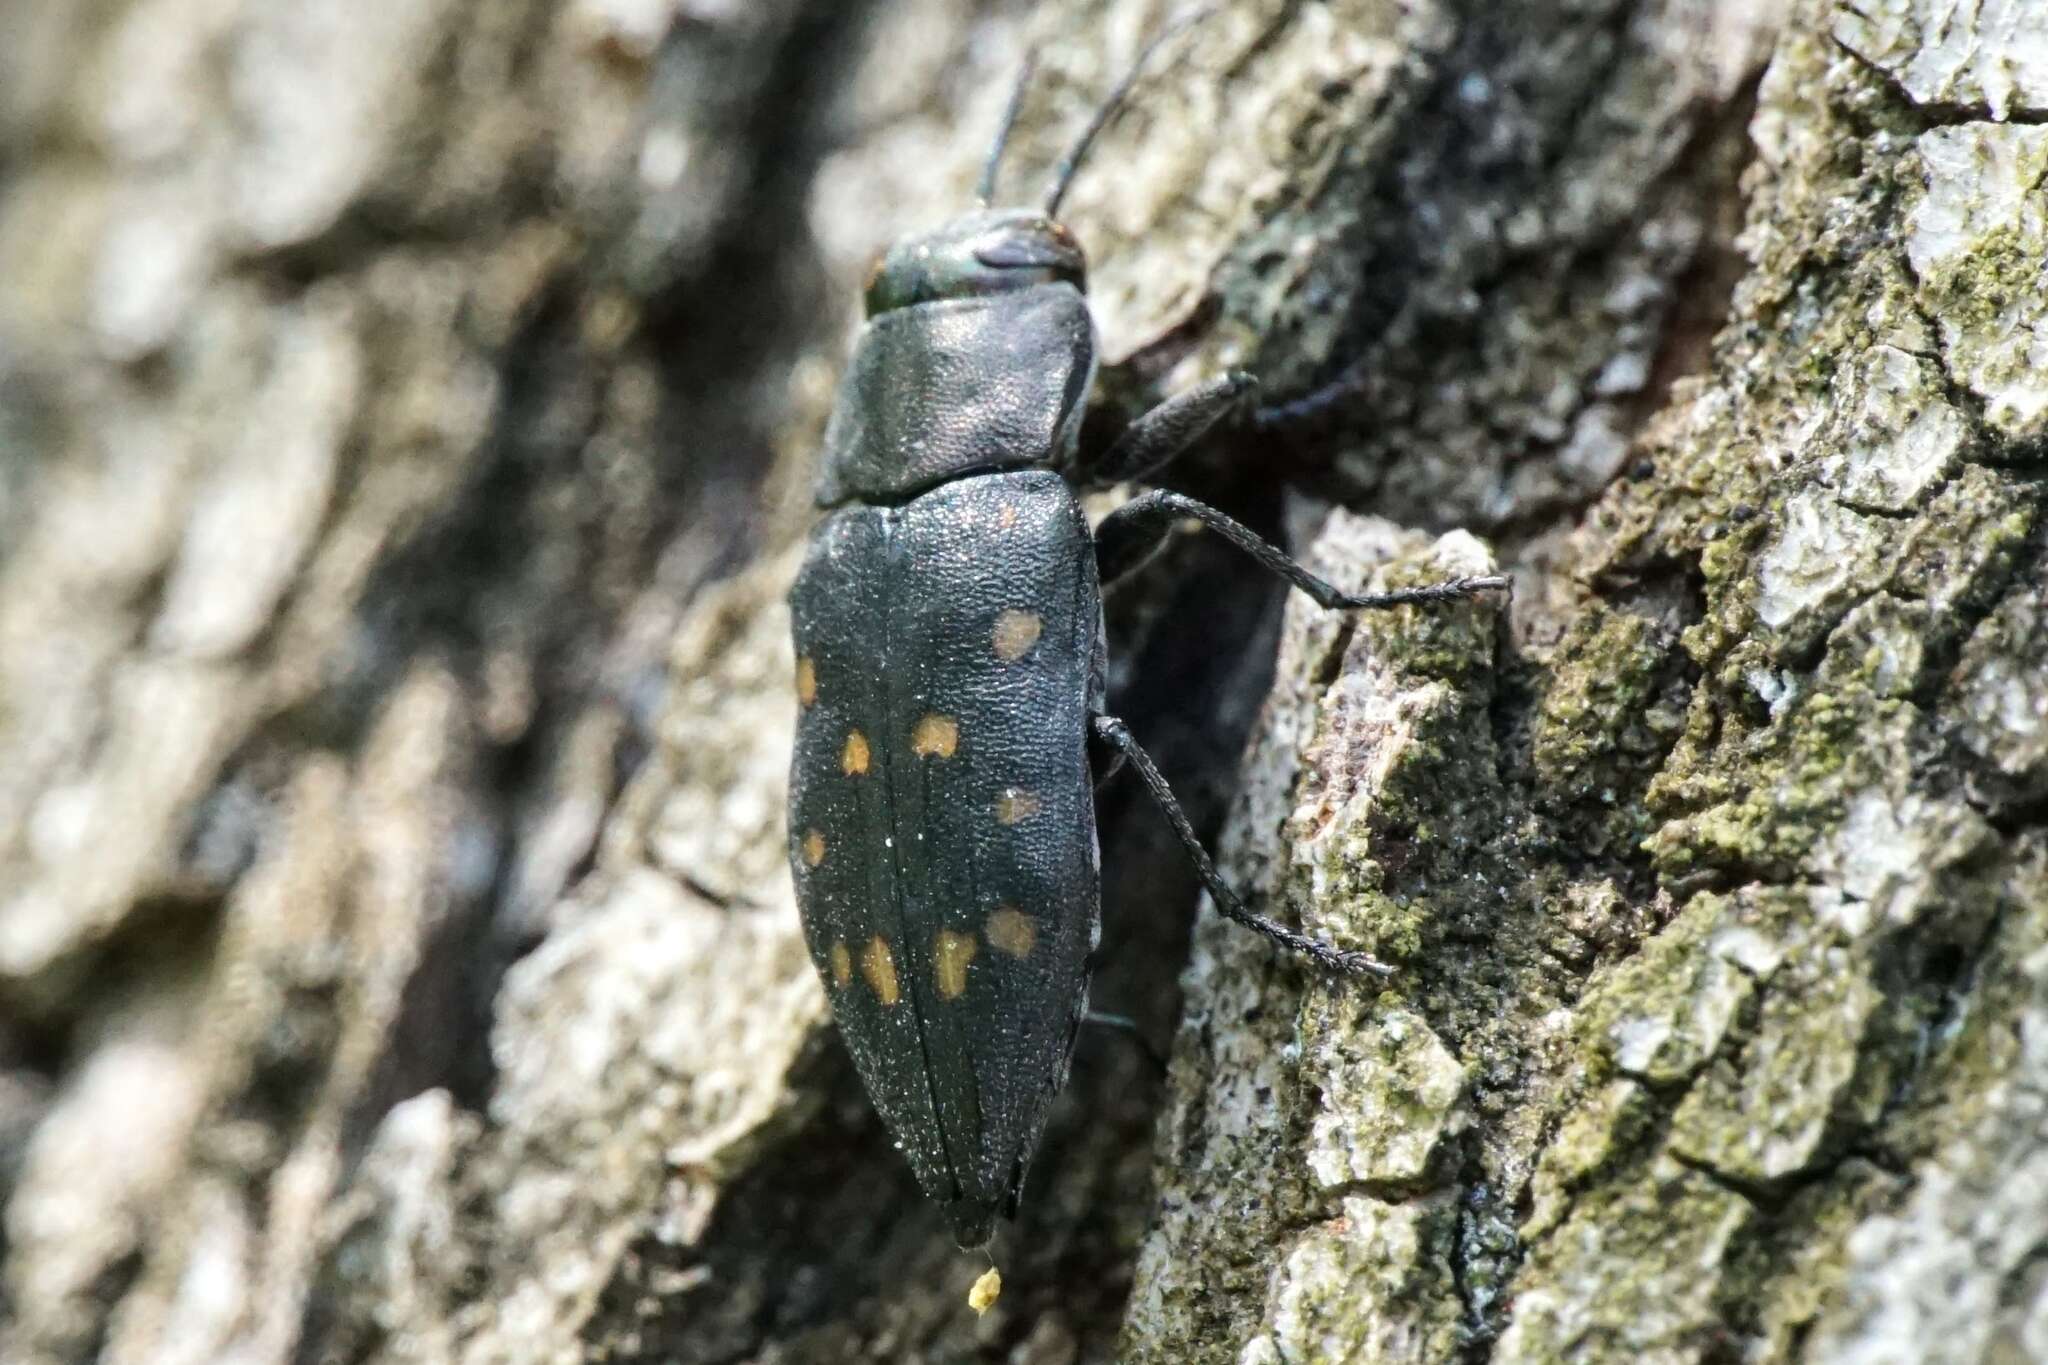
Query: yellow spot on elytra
point(842, 964)
point(986, 1291)
point(1016, 631)
point(806, 681)
point(853, 759)
point(1011, 930)
point(951, 954)
point(878, 965)
point(814, 847)
point(1006, 515)
point(1014, 804)
point(936, 736)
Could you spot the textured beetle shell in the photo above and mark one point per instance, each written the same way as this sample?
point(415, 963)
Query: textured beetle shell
point(957, 387)
point(899, 615)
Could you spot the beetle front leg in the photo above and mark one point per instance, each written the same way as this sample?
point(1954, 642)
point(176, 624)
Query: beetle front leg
point(1128, 536)
point(1171, 429)
point(1327, 955)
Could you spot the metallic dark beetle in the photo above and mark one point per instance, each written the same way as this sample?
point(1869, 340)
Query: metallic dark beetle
point(950, 667)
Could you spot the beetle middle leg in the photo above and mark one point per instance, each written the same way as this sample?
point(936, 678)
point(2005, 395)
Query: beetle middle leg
point(1113, 732)
point(1172, 428)
point(1128, 536)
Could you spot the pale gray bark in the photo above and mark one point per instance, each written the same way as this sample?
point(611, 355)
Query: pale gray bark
point(405, 420)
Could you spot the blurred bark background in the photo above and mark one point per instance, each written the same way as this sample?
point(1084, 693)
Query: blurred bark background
point(405, 421)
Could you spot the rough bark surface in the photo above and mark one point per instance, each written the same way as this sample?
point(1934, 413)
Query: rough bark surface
point(405, 418)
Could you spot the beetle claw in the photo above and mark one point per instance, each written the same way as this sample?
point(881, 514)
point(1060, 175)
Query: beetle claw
point(1363, 964)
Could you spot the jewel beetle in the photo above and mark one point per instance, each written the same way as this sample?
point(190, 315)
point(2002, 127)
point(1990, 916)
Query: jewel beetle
point(950, 682)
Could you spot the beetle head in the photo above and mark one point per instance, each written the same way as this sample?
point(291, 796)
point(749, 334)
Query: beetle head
point(997, 251)
point(989, 251)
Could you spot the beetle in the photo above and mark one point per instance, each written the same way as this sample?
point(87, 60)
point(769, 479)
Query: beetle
point(950, 682)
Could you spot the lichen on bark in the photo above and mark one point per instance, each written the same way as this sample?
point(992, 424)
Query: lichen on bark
point(1753, 731)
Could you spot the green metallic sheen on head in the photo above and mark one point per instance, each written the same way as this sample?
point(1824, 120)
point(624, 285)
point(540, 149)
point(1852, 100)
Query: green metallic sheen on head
point(989, 251)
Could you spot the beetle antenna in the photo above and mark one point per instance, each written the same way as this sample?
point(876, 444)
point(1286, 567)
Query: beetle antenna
point(986, 190)
point(1063, 174)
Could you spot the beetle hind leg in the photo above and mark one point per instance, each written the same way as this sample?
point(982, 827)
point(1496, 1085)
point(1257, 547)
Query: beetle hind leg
point(1325, 954)
point(1123, 1023)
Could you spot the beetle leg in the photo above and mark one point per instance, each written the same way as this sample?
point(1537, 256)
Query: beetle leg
point(1105, 759)
point(1123, 1023)
point(1311, 413)
point(1129, 535)
point(1327, 955)
point(1170, 429)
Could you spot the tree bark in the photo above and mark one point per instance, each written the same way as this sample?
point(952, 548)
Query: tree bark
point(406, 417)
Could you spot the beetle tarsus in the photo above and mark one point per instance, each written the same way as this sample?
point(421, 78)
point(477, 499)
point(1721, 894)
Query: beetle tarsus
point(1312, 412)
point(1450, 590)
point(1323, 953)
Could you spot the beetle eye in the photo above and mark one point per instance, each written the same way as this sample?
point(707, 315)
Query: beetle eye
point(880, 293)
point(1022, 252)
